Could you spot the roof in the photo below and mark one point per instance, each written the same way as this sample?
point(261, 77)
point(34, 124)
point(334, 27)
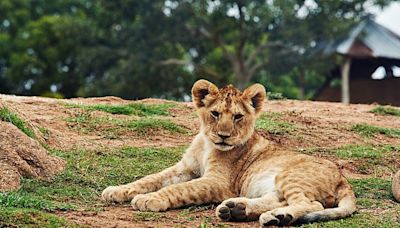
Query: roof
point(369, 39)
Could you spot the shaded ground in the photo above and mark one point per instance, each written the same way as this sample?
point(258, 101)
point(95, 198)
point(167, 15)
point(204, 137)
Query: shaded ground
point(104, 147)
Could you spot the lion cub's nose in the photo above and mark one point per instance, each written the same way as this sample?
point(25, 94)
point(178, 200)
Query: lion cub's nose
point(224, 135)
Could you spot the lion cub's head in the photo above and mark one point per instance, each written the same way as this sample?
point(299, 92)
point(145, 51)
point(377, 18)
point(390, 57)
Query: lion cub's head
point(227, 115)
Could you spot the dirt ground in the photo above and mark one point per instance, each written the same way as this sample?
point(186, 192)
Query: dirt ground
point(319, 124)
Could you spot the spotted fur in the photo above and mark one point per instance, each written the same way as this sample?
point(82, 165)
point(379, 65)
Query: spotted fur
point(229, 162)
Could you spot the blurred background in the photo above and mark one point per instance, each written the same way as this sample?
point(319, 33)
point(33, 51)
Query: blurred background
point(303, 49)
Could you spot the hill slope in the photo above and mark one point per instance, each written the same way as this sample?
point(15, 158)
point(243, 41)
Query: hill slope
point(107, 141)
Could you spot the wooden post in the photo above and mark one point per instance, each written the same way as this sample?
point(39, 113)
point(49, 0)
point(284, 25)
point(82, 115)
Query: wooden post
point(346, 81)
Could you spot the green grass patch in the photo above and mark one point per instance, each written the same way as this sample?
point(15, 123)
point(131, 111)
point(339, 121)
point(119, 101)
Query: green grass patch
point(359, 220)
point(87, 174)
point(8, 116)
point(270, 122)
point(366, 151)
point(20, 199)
point(137, 109)
point(386, 110)
point(372, 188)
point(369, 131)
point(17, 217)
point(146, 125)
point(112, 128)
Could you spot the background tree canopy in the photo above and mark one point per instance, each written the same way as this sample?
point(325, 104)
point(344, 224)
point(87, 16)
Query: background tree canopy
point(136, 49)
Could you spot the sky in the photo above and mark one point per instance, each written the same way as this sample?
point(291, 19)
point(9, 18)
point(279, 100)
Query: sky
point(390, 17)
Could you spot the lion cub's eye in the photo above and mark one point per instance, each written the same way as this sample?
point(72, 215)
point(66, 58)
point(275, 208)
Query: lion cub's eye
point(238, 117)
point(215, 114)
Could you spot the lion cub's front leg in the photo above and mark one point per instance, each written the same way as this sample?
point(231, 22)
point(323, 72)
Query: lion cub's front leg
point(198, 191)
point(123, 193)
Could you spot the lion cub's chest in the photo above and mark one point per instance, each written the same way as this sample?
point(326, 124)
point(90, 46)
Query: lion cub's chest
point(203, 158)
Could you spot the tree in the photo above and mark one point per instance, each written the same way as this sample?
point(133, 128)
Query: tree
point(136, 49)
point(254, 34)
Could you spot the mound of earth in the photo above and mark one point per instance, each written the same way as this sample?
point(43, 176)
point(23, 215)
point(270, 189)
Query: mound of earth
point(21, 155)
point(316, 128)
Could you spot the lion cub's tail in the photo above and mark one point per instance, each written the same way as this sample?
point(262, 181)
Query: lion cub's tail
point(346, 206)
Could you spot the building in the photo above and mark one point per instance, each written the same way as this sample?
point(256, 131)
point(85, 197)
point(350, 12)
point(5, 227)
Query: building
point(371, 68)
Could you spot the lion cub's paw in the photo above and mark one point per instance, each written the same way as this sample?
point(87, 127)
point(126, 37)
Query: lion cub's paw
point(232, 210)
point(116, 194)
point(149, 202)
point(275, 218)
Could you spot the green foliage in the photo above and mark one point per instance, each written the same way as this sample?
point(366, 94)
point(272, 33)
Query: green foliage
point(275, 96)
point(8, 116)
point(369, 131)
point(137, 109)
point(384, 110)
point(270, 122)
point(20, 217)
point(138, 49)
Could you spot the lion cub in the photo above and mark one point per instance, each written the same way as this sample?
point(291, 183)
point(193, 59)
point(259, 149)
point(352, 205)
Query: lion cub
point(229, 162)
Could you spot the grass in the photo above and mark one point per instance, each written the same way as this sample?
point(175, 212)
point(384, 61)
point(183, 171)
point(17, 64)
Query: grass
point(8, 116)
point(372, 188)
point(20, 217)
point(365, 151)
point(144, 126)
point(111, 127)
point(386, 110)
point(270, 122)
point(86, 175)
point(24, 200)
point(369, 130)
point(137, 109)
point(359, 220)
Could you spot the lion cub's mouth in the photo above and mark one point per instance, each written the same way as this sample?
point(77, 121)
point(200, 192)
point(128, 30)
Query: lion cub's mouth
point(223, 146)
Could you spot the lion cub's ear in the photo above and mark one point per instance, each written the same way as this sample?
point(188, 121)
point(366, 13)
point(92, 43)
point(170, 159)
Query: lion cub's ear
point(256, 95)
point(203, 91)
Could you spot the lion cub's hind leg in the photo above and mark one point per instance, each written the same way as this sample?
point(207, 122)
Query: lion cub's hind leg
point(287, 215)
point(246, 209)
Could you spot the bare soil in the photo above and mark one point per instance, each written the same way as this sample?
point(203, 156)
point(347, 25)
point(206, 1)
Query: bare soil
point(318, 125)
point(21, 155)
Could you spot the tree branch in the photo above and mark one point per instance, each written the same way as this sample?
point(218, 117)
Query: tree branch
point(225, 51)
point(173, 61)
point(252, 57)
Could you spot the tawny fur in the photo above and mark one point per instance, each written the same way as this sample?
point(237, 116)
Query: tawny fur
point(229, 162)
point(396, 186)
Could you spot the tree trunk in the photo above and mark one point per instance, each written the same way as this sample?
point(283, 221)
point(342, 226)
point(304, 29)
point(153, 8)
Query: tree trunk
point(242, 77)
